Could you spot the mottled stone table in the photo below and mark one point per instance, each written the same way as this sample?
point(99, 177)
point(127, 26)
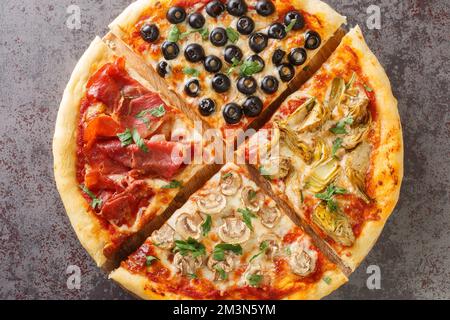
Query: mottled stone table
point(38, 53)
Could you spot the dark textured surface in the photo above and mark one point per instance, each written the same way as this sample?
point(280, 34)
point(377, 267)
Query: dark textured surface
point(38, 53)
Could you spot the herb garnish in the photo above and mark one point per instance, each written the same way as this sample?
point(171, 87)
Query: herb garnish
point(149, 260)
point(232, 34)
point(96, 202)
point(339, 128)
point(247, 216)
point(290, 25)
point(191, 71)
point(220, 249)
point(191, 246)
point(174, 184)
point(328, 196)
point(206, 225)
point(254, 280)
point(336, 145)
point(126, 138)
point(262, 249)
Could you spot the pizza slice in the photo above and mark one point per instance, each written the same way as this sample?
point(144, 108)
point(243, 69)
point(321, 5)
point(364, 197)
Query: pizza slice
point(121, 152)
point(229, 241)
point(226, 60)
point(334, 150)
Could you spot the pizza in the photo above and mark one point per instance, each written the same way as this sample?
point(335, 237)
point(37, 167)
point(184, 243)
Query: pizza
point(227, 60)
point(334, 152)
point(169, 212)
point(229, 241)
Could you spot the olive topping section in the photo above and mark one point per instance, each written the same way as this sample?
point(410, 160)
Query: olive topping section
point(196, 20)
point(221, 83)
point(161, 68)
point(286, 71)
point(258, 42)
point(218, 37)
point(232, 52)
point(252, 107)
point(277, 31)
point(207, 107)
point(297, 56)
point(312, 40)
point(194, 52)
point(265, 8)
point(278, 56)
point(245, 25)
point(212, 64)
point(170, 50)
point(237, 8)
point(215, 8)
point(232, 113)
point(150, 32)
point(192, 88)
point(176, 15)
point(269, 84)
point(299, 20)
point(247, 85)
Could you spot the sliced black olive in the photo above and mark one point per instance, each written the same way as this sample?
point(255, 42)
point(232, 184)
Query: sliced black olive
point(232, 113)
point(269, 84)
point(218, 37)
point(215, 8)
point(194, 52)
point(312, 40)
point(232, 52)
point(247, 85)
point(258, 42)
point(297, 56)
point(258, 59)
point(245, 25)
point(207, 107)
point(265, 8)
point(237, 8)
point(286, 71)
point(278, 56)
point(212, 64)
point(150, 32)
point(252, 107)
point(176, 15)
point(299, 20)
point(277, 31)
point(162, 68)
point(196, 20)
point(192, 88)
point(170, 50)
point(221, 83)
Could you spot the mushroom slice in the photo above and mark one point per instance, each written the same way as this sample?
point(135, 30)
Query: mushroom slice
point(189, 225)
point(187, 264)
point(323, 175)
point(272, 243)
point(230, 182)
point(227, 265)
point(276, 167)
point(164, 237)
point(234, 231)
point(212, 203)
point(270, 215)
point(252, 199)
point(302, 260)
point(335, 225)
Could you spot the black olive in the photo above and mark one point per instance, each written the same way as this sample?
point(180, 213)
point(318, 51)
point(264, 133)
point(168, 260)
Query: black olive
point(221, 83)
point(162, 68)
point(196, 20)
point(312, 40)
point(176, 15)
point(286, 71)
point(194, 52)
point(232, 113)
point(170, 50)
point(258, 59)
point(265, 8)
point(207, 107)
point(245, 25)
point(278, 56)
point(277, 31)
point(258, 42)
point(215, 8)
point(192, 88)
point(252, 107)
point(269, 84)
point(299, 20)
point(247, 85)
point(297, 56)
point(212, 64)
point(236, 8)
point(232, 52)
point(150, 32)
point(218, 37)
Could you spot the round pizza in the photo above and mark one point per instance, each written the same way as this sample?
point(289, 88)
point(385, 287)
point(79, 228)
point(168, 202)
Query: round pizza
point(296, 207)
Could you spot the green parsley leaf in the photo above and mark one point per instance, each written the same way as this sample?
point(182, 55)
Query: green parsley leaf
point(139, 141)
point(206, 225)
point(249, 68)
point(220, 249)
point(174, 184)
point(340, 126)
point(252, 194)
point(174, 34)
point(222, 273)
point(234, 64)
point(204, 32)
point(149, 260)
point(327, 280)
point(368, 89)
point(262, 249)
point(328, 195)
point(254, 280)
point(126, 138)
point(247, 216)
point(156, 112)
point(265, 173)
point(227, 175)
point(191, 71)
point(288, 251)
point(191, 246)
point(96, 202)
point(290, 25)
point(336, 146)
point(232, 34)
point(192, 276)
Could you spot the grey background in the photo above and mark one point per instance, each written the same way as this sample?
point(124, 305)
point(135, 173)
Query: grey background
point(38, 53)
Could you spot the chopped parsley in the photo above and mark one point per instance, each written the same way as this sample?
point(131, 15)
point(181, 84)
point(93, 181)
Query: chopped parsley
point(126, 138)
point(222, 273)
point(149, 260)
point(139, 141)
point(227, 175)
point(156, 112)
point(174, 184)
point(336, 146)
point(96, 202)
point(249, 68)
point(234, 64)
point(328, 196)
point(191, 71)
point(206, 225)
point(254, 280)
point(247, 216)
point(290, 25)
point(368, 89)
point(204, 32)
point(192, 276)
point(220, 249)
point(232, 34)
point(327, 280)
point(262, 249)
point(191, 246)
point(174, 34)
point(252, 194)
point(339, 128)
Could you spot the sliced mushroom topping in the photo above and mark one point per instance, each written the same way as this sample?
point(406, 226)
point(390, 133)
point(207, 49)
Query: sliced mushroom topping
point(164, 237)
point(230, 182)
point(272, 244)
point(187, 264)
point(270, 215)
point(252, 199)
point(221, 268)
point(188, 225)
point(212, 203)
point(336, 225)
point(234, 231)
point(302, 260)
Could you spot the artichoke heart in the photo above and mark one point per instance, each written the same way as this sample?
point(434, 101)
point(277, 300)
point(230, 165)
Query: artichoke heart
point(294, 143)
point(335, 225)
point(318, 116)
point(335, 93)
point(357, 181)
point(298, 116)
point(354, 138)
point(321, 152)
point(323, 175)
